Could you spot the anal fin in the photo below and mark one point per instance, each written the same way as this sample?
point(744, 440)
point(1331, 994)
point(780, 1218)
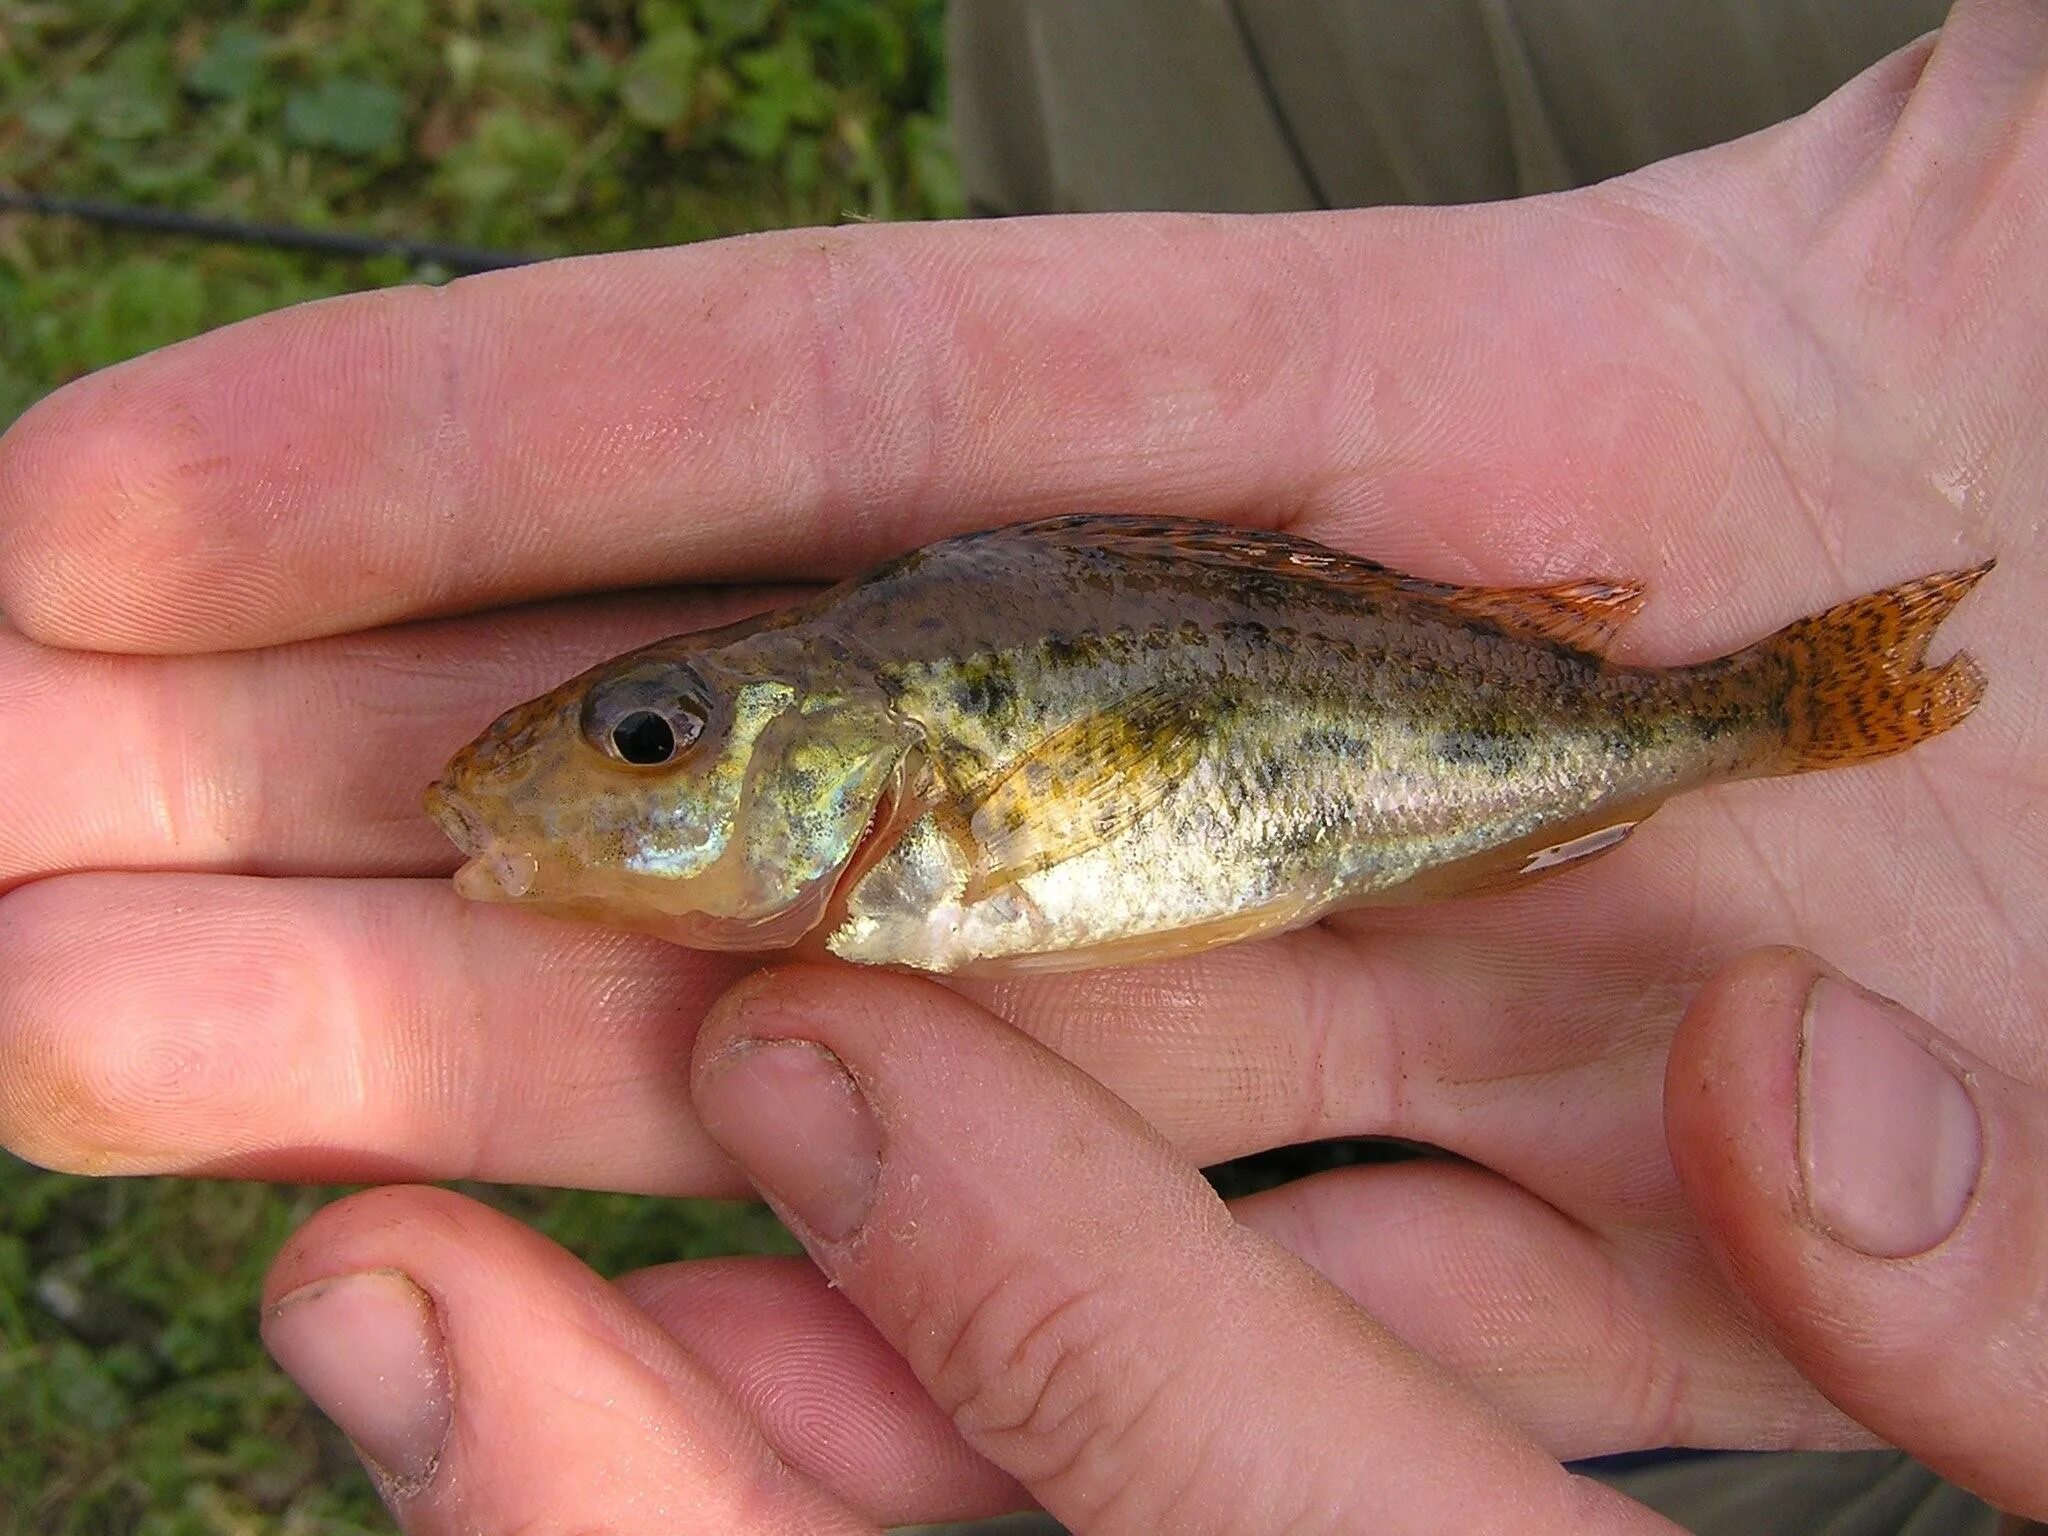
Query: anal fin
point(1555, 848)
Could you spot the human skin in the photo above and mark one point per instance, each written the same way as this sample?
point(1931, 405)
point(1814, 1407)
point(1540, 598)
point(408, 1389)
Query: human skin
point(1760, 379)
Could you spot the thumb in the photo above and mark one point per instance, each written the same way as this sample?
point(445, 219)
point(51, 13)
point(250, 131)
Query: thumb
point(1079, 1301)
point(1876, 1190)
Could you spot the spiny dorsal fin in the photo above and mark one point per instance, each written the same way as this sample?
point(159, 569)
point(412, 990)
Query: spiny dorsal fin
point(1081, 785)
point(1582, 614)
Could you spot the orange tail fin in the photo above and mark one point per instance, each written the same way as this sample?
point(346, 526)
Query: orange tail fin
point(1855, 685)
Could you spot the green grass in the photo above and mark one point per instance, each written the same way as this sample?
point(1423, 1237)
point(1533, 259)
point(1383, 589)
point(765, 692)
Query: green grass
point(539, 126)
point(134, 1396)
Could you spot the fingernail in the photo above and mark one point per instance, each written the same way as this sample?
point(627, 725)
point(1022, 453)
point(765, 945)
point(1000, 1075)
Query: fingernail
point(789, 1114)
point(1888, 1138)
point(367, 1350)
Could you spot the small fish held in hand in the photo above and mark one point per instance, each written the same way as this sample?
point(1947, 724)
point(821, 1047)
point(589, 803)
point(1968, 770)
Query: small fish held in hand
point(1092, 741)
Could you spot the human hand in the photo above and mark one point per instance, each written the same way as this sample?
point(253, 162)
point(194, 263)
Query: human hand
point(1761, 378)
point(1054, 1291)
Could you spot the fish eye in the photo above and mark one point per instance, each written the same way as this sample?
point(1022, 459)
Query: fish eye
point(644, 738)
point(647, 715)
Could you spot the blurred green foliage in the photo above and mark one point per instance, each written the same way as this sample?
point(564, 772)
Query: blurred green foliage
point(538, 126)
point(134, 1395)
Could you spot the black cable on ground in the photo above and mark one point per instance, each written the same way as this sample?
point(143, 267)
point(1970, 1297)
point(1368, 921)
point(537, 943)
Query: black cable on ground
point(290, 237)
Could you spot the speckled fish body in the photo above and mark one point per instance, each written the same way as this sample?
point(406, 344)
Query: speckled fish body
point(1094, 740)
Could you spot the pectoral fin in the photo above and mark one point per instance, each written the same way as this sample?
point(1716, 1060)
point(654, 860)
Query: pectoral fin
point(1081, 786)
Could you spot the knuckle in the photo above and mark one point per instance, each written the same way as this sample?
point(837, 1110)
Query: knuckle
point(195, 760)
point(28, 734)
point(883, 428)
point(1036, 1376)
point(181, 775)
point(169, 785)
point(1654, 1393)
point(1650, 1390)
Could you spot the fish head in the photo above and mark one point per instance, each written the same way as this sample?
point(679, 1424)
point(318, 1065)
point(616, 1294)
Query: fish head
point(676, 790)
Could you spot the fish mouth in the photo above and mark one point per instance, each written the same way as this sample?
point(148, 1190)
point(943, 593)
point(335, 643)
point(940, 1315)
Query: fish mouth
point(492, 871)
point(457, 817)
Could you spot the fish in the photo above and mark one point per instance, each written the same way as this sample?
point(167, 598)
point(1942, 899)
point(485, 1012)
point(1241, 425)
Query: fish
point(1100, 739)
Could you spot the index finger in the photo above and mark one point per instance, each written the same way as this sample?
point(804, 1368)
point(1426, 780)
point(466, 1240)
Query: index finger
point(802, 403)
point(799, 402)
